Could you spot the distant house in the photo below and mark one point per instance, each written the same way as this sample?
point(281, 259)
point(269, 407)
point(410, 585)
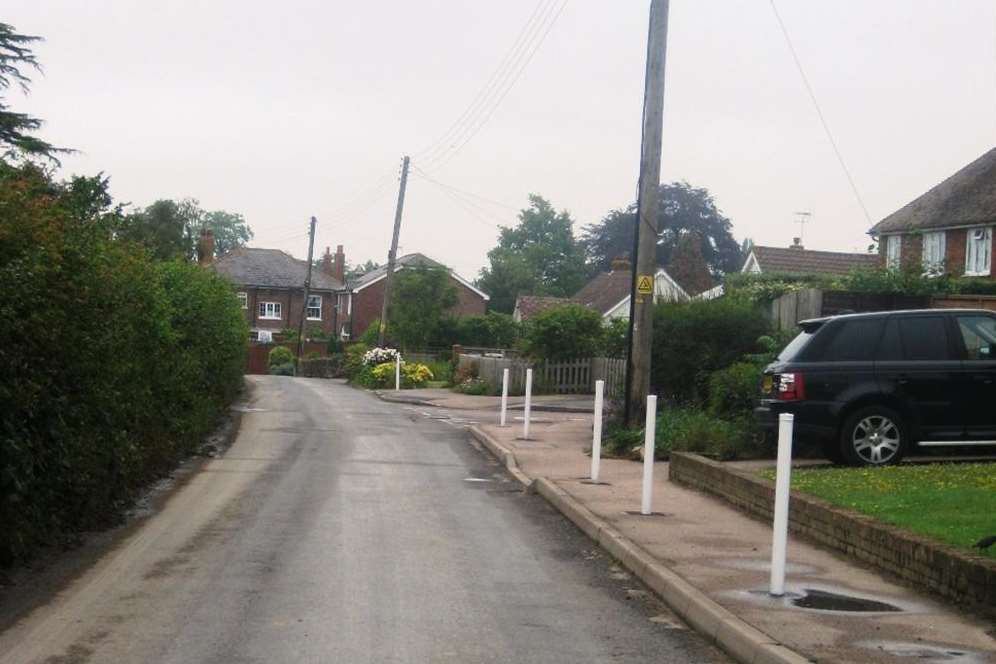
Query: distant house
point(949, 229)
point(269, 284)
point(797, 260)
point(607, 293)
point(363, 299)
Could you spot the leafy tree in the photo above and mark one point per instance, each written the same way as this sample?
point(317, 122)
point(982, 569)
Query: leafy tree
point(229, 228)
point(688, 267)
point(681, 209)
point(16, 128)
point(539, 256)
point(564, 333)
point(615, 337)
point(420, 298)
point(492, 330)
point(169, 229)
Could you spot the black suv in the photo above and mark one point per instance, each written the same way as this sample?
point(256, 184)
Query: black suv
point(871, 386)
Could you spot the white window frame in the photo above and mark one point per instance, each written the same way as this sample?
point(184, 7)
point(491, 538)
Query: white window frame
point(243, 299)
point(978, 251)
point(274, 309)
point(934, 246)
point(307, 310)
point(893, 251)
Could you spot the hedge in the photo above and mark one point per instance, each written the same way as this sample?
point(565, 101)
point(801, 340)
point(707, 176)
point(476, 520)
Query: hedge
point(115, 366)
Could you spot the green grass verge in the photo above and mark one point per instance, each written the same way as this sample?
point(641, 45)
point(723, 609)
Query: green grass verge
point(952, 503)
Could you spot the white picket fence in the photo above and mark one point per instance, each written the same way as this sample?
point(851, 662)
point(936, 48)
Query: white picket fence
point(564, 377)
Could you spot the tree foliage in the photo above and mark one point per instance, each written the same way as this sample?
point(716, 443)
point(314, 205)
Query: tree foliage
point(539, 256)
point(115, 365)
point(16, 129)
point(567, 332)
point(682, 209)
point(421, 296)
point(169, 229)
point(688, 267)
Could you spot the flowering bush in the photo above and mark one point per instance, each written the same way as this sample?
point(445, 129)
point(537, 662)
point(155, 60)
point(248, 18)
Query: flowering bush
point(413, 374)
point(474, 386)
point(376, 356)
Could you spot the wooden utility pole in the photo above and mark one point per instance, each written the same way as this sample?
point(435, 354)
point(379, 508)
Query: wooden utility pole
point(393, 254)
point(641, 301)
point(307, 290)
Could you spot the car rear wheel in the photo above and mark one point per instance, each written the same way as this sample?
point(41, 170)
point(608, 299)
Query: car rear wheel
point(873, 436)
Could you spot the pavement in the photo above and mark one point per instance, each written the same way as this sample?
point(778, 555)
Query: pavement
point(711, 563)
point(339, 528)
point(445, 398)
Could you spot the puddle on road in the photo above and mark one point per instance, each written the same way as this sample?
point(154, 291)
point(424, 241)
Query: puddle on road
point(927, 652)
point(827, 601)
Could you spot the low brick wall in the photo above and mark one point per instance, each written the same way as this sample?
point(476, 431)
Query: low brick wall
point(957, 576)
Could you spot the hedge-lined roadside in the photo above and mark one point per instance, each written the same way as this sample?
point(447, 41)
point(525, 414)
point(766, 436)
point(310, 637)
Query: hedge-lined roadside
point(114, 365)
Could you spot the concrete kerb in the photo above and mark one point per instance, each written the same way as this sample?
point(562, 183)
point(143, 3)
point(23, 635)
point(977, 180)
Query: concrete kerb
point(740, 640)
point(540, 407)
point(503, 454)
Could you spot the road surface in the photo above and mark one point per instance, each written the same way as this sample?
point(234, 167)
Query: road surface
point(338, 528)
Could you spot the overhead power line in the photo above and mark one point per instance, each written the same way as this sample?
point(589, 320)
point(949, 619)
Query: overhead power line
point(819, 112)
point(422, 174)
point(492, 100)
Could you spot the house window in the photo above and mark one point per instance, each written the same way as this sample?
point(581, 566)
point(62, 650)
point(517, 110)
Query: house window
point(933, 253)
point(243, 299)
point(979, 251)
point(314, 307)
point(893, 251)
point(270, 310)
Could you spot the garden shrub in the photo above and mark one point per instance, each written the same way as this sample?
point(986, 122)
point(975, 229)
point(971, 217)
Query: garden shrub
point(689, 430)
point(353, 362)
point(473, 386)
point(567, 332)
point(282, 369)
point(614, 338)
point(115, 365)
point(371, 335)
point(694, 339)
point(733, 390)
point(442, 371)
point(280, 355)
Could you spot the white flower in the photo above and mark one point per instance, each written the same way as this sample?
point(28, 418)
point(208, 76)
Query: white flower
point(376, 356)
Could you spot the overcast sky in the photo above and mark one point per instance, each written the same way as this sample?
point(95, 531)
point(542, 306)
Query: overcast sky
point(285, 110)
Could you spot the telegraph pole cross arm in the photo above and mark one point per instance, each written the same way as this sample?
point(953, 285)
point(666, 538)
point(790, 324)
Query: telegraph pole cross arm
point(641, 301)
point(393, 254)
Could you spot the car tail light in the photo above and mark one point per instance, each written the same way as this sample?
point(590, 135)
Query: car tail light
point(791, 387)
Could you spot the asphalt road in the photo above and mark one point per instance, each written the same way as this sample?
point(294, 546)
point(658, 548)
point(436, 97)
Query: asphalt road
point(338, 528)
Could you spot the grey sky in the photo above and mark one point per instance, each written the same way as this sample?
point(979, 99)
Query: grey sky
point(285, 110)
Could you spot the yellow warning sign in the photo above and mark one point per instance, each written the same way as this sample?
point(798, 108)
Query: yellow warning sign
point(645, 284)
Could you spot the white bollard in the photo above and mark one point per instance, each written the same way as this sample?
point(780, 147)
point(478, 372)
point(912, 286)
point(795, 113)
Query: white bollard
point(529, 403)
point(397, 372)
point(779, 538)
point(504, 396)
point(648, 454)
point(596, 435)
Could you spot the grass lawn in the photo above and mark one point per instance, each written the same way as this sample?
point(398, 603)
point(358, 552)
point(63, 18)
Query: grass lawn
point(952, 503)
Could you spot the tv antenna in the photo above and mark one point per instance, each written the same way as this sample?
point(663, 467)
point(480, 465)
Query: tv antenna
point(802, 218)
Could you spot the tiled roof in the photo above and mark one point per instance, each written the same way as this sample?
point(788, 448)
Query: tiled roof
point(531, 305)
point(407, 260)
point(271, 268)
point(605, 291)
point(807, 261)
point(966, 198)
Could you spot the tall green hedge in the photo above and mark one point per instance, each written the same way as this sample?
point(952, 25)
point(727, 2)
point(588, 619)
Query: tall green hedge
point(114, 366)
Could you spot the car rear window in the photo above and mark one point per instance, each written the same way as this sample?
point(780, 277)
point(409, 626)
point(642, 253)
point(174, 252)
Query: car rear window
point(790, 352)
point(848, 341)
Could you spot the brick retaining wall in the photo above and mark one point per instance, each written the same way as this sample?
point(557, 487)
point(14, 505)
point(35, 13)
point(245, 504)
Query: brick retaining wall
point(925, 564)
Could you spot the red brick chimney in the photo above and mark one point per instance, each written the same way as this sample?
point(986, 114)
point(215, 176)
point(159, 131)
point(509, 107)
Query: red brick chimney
point(205, 247)
point(327, 262)
point(340, 264)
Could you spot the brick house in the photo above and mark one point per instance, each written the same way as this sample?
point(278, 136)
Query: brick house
point(269, 284)
point(361, 302)
point(797, 260)
point(949, 229)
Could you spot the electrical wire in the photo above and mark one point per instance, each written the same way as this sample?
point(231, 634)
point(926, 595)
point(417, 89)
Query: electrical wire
point(538, 37)
point(422, 174)
point(819, 112)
